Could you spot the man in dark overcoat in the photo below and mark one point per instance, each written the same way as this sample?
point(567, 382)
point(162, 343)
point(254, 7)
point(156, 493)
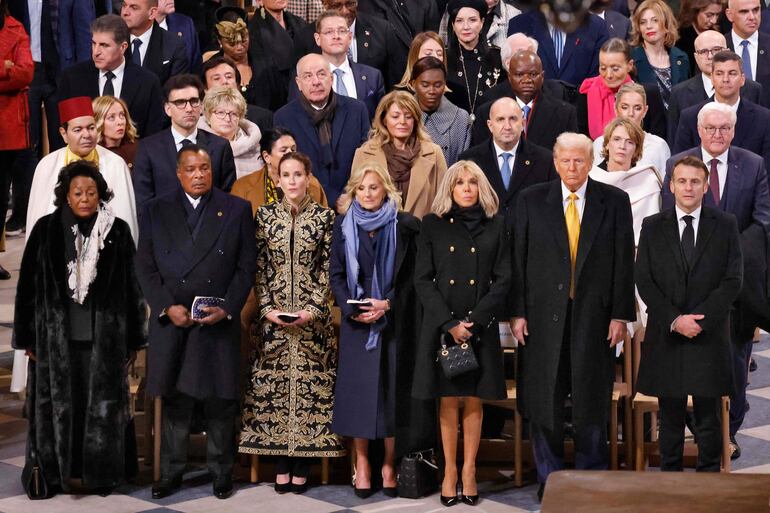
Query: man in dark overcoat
point(196, 241)
point(573, 294)
point(688, 271)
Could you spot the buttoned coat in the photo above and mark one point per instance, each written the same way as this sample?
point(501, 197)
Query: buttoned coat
point(604, 290)
point(450, 128)
point(460, 276)
point(673, 365)
point(680, 66)
point(173, 268)
point(427, 171)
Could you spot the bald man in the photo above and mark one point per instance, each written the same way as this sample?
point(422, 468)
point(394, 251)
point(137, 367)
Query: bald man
point(327, 127)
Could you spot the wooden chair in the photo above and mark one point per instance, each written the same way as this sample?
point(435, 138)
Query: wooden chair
point(622, 393)
point(510, 404)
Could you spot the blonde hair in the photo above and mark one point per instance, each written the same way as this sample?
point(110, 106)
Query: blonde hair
point(670, 25)
point(223, 94)
point(571, 140)
point(442, 202)
point(405, 101)
point(635, 133)
point(357, 178)
point(630, 87)
point(414, 55)
point(101, 104)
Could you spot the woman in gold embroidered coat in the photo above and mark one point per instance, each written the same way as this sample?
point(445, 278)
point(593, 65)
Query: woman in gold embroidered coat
point(289, 402)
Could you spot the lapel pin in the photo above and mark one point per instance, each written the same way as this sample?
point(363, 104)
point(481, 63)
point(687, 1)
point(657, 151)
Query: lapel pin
point(678, 62)
point(179, 34)
point(219, 214)
point(761, 52)
point(363, 77)
point(366, 44)
point(526, 162)
point(367, 33)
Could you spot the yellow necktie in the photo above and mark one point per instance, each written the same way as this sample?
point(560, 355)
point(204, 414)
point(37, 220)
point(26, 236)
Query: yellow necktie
point(573, 235)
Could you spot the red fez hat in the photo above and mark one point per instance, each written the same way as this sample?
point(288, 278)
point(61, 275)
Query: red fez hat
point(72, 108)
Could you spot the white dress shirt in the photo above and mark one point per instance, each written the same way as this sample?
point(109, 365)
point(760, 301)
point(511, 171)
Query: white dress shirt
point(164, 24)
point(580, 202)
point(708, 85)
point(499, 152)
point(193, 137)
point(721, 168)
point(117, 82)
point(347, 78)
point(193, 201)
point(695, 220)
point(753, 49)
point(353, 44)
point(145, 39)
point(35, 9)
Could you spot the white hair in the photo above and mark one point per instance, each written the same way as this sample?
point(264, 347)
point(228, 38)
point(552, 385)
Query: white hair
point(717, 107)
point(572, 140)
point(506, 52)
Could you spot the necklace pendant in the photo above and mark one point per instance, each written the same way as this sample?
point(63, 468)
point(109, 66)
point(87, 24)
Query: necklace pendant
point(472, 118)
point(459, 73)
point(479, 75)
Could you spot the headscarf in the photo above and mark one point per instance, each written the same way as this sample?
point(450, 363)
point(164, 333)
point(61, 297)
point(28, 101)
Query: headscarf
point(233, 32)
point(601, 104)
point(384, 221)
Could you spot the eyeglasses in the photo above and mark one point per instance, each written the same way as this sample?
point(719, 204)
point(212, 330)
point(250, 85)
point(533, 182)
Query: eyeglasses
point(711, 130)
point(182, 102)
point(340, 32)
point(222, 114)
point(709, 51)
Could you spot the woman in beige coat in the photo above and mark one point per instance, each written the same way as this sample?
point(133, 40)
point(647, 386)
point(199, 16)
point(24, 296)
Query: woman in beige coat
point(399, 143)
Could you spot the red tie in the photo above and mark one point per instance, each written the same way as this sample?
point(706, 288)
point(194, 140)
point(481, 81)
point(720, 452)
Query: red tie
point(714, 181)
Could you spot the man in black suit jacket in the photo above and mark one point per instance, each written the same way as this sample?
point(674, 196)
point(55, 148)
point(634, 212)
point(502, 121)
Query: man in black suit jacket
point(373, 42)
point(156, 155)
point(545, 117)
point(407, 19)
point(618, 25)
point(752, 129)
point(109, 73)
point(688, 271)
point(152, 47)
point(510, 162)
point(573, 294)
point(700, 88)
point(196, 241)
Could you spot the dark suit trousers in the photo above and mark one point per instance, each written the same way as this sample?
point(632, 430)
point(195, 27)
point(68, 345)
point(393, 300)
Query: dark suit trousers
point(220, 415)
point(708, 432)
point(548, 444)
point(740, 352)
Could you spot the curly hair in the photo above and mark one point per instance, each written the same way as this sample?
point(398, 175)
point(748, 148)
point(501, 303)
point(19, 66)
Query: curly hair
point(73, 170)
point(664, 12)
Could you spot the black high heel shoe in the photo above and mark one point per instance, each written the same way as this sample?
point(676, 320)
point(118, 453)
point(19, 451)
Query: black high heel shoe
point(363, 493)
point(284, 487)
point(452, 500)
point(470, 500)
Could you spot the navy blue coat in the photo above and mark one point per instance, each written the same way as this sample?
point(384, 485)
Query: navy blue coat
point(166, 55)
point(350, 130)
point(173, 268)
point(184, 27)
point(581, 49)
point(155, 165)
point(680, 66)
point(617, 24)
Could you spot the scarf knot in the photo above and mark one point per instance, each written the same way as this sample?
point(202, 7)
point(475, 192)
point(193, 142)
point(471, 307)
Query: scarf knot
point(601, 104)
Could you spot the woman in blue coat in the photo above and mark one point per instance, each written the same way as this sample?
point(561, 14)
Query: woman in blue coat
point(372, 259)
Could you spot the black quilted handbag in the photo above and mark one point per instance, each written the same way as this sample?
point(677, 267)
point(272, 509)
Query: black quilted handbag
point(417, 475)
point(456, 359)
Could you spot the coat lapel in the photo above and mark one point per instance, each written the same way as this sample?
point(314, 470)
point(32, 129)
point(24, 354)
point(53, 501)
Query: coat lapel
point(593, 213)
point(421, 171)
point(308, 130)
point(732, 182)
point(338, 125)
point(555, 213)
point(492, 170)
point(130, 86)
point(705, 230)
point(211, 226)
point(521, 167)
point(175, 218)
point(671, 233)
point(360, 79)
point(170, 154)
point(546, 49)
point(572, 41)
point(93, 82)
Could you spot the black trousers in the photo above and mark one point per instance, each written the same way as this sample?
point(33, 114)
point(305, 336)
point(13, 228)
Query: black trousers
point(708, 432)
point(740, 352)
point(220, 417)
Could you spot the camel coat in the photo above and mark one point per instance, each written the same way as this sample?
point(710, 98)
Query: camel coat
point(428, 170)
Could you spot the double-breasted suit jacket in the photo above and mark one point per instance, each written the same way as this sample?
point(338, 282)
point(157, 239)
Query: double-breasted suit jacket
point(673, 365)
point(427, 172)
point(173, 268)
point(604, 290)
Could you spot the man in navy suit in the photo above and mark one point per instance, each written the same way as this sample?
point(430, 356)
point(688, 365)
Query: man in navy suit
point(152, 47)
point(109, 73)
point(618, 25)
point(183, 26)
point(577, 58)
point(738, 185)
point(196, 241)
point(156, 155)
point(752, 130)
point(327, 126)
point(746, 40)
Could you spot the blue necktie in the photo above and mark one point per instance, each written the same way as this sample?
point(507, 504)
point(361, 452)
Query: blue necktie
point(350, 53)
point(341, 89)
point(135, 55)
point(505, 171)
point(526, 109)
point(746, 59)
point(558, 45)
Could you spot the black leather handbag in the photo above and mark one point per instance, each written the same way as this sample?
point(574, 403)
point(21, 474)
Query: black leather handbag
point(32, 475)
point(456, 359)
point(417, 475)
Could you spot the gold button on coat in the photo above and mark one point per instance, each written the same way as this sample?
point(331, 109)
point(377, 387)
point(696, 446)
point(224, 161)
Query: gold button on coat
point(451, 282)
point(472, 282)
point(473, 250)
point(451, 249)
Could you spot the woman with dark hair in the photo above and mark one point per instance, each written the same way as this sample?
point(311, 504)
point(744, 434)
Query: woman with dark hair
point(115, 129)
point(448, 125)
point(424, 44)
point(695, 16)
point(80, 316)
point(288, 407)
point(654, 30)
point(596, 102)
point(474, 65)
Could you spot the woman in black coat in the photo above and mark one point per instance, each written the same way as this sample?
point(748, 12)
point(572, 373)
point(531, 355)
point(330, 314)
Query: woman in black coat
point(463, 278)
point(79, 315)
point(372, 397)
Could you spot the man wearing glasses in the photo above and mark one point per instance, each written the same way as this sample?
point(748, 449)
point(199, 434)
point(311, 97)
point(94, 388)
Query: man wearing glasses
point(699, 88)
point(155, 164)
point(738, 185)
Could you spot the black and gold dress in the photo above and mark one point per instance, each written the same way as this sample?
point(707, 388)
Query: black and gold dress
point(289, 400)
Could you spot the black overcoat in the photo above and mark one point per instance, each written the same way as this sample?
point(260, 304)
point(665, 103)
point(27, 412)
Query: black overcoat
point(673, 365)
point(358, 372)
point(458, 276)
point(201, 361)
point(604, 290)
point(41, 325)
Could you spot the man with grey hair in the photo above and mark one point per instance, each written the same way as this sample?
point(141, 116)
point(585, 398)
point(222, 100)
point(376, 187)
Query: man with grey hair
point(738, 185)
point(513, 44)
point(746, 40)
point(573, 295)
